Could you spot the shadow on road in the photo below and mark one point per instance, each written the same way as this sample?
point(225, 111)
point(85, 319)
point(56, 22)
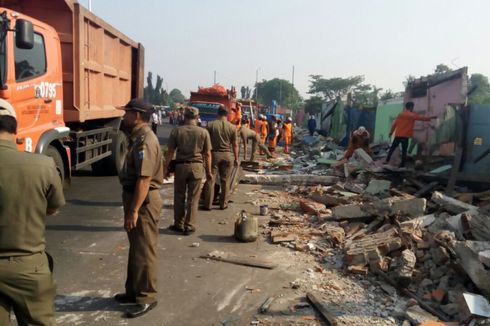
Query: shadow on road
point(85, 228)
point(70, 303)
point(80, 202)
point(217, 238)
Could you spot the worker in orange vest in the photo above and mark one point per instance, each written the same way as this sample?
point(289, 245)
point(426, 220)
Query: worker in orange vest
point(359, 138)
point(272, 134)
point(287, 134)
point(258, 123)
point(246, 121)
point(264, 130)
point(403, 129)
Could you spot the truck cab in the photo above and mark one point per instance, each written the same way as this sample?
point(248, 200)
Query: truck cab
point(31, 81)
point(65, 71)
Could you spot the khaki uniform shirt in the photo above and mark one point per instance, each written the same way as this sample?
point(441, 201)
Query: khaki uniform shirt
point(144, 158)
point(29, 185)
point(222, 134)
point(190, 142)
point(246, 133)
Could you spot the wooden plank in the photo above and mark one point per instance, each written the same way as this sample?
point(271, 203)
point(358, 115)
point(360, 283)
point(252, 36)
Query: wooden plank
point(242, 261)
point(426, 189)
point(264, 308)
point(283, 238)
point(322, 308)
point(442, 316)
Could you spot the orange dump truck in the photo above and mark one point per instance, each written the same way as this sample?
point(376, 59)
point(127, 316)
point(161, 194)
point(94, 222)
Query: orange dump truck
point(65, 71)
point(208, 100)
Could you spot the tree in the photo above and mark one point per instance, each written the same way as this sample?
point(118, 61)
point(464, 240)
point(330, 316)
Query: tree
point(481, 94)
point(177, 96)
point(314, 104)
point(279, 90)
point(333, 88)
point(387, 95)
point(245, 92)
point(365, 95)
point(155, 94)
point(408, 80)
point(442, 69)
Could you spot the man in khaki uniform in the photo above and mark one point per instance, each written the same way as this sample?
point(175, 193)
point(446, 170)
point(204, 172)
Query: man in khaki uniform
point(30, 189)
point(224, 141)
point(193, 160)
point(247, 134)
point(141, 179)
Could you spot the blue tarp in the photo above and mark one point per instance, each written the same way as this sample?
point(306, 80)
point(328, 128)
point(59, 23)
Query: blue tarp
point(358, 117)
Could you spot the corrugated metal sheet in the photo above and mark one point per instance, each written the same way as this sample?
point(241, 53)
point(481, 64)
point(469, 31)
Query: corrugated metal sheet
point(478, 140)
point(385, 115)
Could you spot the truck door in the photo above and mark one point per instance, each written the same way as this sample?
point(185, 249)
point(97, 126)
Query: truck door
point(33, 93)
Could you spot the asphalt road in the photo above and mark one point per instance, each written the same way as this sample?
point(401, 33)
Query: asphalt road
point(89, 246)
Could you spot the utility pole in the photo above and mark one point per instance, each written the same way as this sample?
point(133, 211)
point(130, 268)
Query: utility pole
point(257, 86)
point(292, 79)
point(215, 77)
point(90, 5)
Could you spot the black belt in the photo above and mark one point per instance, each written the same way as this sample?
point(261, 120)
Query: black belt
point(133, 188)
point(187, 162)
point(220, 151)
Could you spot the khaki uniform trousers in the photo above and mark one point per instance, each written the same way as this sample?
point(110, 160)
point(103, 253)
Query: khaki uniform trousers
point(257, 141)
point(141, 279)
point(26, 285)
point(221, 163)
point(188, 180)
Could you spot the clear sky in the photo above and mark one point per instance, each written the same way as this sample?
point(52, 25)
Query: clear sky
point(384, 40)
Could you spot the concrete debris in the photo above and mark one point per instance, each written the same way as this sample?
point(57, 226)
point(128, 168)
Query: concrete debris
point(484, 257)
point(414, 207)
point(468, 254)
point(402, 268)
point(418, 316)
point(288, 179)
point(356, 220)
point(378, 187)
point(450, 204)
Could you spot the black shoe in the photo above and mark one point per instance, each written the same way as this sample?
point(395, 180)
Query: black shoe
point(223, 207)
point(189, 231)
point(124, 298)
point(140, 309)
point(203, 208)
point(175, 229)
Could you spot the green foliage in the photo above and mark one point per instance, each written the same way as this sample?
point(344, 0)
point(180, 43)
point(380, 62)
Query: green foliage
point(333, 88)
point(387, 95)
point(408, 80)
point(155, 94)
point(442, 69)
point(313, 105)
point(481, 95)
point(363, 95)
point(177, 96)
point(245, 92)
point(280, 90)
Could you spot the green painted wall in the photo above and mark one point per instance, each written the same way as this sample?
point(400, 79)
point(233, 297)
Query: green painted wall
point(385, 115)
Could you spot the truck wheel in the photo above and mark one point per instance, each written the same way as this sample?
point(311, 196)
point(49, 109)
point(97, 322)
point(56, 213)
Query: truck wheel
point(58, 161)
point(113, 164)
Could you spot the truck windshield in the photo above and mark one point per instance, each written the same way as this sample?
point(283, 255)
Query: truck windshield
point(4, 26)
point(207, 111)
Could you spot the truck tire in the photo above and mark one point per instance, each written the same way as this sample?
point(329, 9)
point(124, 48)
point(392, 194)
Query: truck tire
point(113, 164)
point(58, 161)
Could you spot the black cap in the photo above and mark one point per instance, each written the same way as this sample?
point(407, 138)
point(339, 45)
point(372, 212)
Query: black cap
point(138, 104)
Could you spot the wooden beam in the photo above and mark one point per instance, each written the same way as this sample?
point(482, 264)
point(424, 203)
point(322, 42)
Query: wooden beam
point(242, 261)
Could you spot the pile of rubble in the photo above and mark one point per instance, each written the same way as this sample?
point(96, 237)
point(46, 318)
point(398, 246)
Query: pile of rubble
point(434, 251)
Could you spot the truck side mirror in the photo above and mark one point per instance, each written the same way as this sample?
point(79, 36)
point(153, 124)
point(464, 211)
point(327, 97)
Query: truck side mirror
point(24, 34)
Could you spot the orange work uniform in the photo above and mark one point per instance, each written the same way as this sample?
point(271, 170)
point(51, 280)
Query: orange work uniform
point(287, 134)
point(403, 124)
